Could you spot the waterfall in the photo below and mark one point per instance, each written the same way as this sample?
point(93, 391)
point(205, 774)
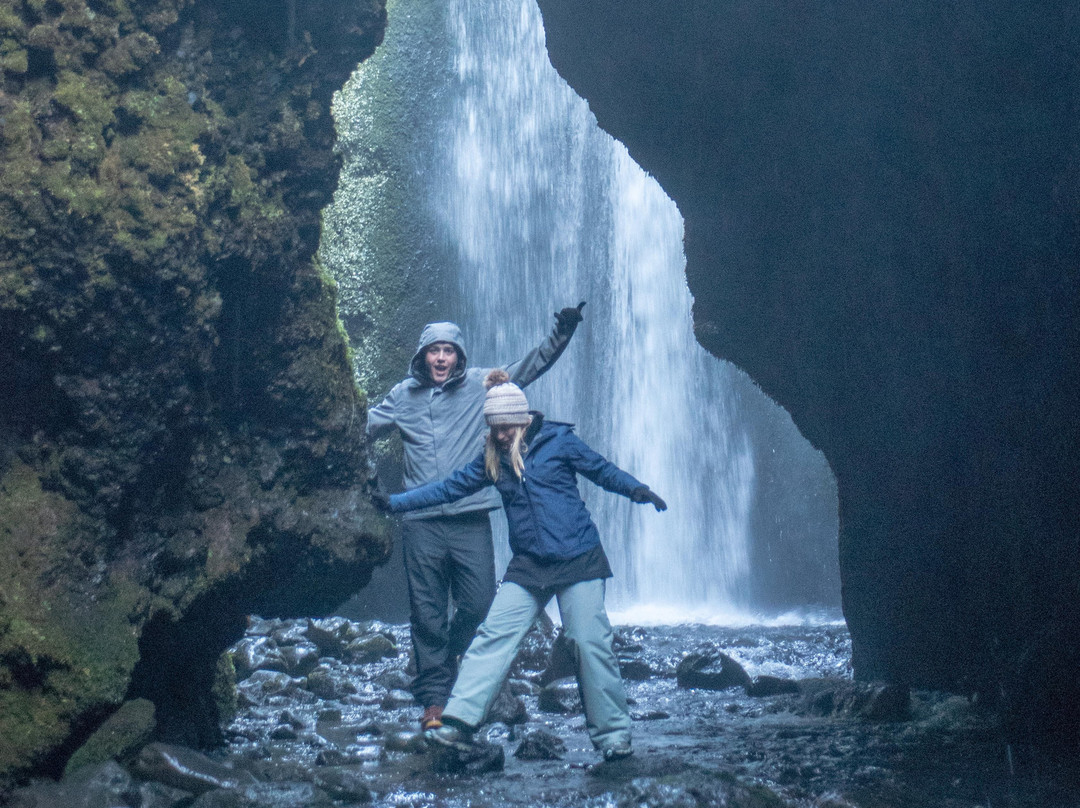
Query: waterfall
point(518, 205)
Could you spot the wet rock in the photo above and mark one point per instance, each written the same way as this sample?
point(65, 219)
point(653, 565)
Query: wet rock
point(560, 696)
point(284, 732)
point(331, 715)
point(266, 795)
point(257, 653)
point(479, 758)
point(300, 659)
point(370, 649)
point(649, 715)
point(560, 662)
point(120, 737)
point(522, 687)
point(159, 795)
point(343, 783)
point(323, 682)
point(331, 757)
point(94, 786)
point(771, 686)
point(261, 684)
point(508, 708)
point(326, 636)
point(874, 701)
point(635, 670)
point(393, 679)
point(396, 699)
point(290, 633)
point(540, 744)
point(710, 670)
point(404, 741)
point(691, 790)
point(187, 769)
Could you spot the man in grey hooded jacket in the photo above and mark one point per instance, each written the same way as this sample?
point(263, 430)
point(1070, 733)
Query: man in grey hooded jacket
point(448, 548)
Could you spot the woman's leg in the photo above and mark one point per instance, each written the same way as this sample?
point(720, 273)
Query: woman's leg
point(488, 659)
point(586, 626)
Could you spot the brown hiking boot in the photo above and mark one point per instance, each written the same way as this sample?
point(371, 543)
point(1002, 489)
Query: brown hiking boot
point(432, 718)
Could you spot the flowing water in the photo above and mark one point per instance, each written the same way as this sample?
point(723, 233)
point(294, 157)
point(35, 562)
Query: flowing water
point(466, 152)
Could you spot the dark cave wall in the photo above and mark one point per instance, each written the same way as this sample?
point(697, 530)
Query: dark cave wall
point(180, 432)
point(881, 205)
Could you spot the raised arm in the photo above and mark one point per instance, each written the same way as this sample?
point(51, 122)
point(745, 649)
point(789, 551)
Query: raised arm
point(469, 479)
point(594, 466)
point(537, 361)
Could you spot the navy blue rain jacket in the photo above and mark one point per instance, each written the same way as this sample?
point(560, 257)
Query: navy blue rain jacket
point(544, 510)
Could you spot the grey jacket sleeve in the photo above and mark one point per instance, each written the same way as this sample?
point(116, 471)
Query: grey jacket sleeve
point(537, 361)
point(380, 418)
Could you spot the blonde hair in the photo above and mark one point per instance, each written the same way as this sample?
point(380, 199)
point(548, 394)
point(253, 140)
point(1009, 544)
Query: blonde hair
point(517, 448)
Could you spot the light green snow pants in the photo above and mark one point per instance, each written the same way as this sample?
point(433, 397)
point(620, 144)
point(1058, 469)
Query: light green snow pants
point(585, 626)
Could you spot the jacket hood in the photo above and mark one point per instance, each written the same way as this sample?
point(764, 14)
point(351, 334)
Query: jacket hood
point(438, 332)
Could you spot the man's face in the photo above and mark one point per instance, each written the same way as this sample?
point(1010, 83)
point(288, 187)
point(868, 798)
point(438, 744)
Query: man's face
point(441, 359)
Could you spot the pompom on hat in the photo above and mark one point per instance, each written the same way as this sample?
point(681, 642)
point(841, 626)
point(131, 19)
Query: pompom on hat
point(504, 403)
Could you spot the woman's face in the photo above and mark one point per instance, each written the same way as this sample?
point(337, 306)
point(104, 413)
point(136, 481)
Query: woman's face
point(504, 435)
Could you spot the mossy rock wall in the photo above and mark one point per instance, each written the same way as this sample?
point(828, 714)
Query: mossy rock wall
point(180, 432)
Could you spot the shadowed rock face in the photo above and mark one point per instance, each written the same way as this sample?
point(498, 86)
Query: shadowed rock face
point(881, 228)
point(180, 434)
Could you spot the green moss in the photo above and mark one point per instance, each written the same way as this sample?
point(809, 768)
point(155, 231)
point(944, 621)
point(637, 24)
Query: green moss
point(13, 57)
point(122, 734)
point(224, 688)
point(61, 652)
point(88, 99)
point(10, 22)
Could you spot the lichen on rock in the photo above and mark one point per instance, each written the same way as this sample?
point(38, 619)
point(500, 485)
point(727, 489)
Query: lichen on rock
point(180, 432)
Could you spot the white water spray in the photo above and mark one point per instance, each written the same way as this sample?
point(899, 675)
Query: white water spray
point(544, 208)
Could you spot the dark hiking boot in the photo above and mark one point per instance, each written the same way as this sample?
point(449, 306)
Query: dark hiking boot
point(620, 751)
point(432, 718)
point(450, 737)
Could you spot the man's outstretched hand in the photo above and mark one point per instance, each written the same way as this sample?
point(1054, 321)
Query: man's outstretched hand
point(381, 501)
point(643, 494)
point(567, 319)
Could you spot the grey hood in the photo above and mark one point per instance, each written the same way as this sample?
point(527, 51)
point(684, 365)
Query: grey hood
point(432, 333)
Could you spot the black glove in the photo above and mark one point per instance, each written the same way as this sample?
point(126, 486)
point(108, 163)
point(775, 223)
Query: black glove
point(643, 494)
point(567, 319)
point(381, 501)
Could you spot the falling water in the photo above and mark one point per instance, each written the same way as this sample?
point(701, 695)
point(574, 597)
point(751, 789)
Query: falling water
point(533, 207)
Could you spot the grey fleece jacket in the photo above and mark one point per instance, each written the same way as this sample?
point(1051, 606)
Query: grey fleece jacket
point(443, 428)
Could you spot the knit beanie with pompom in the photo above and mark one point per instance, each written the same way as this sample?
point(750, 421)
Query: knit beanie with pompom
point(504, 403)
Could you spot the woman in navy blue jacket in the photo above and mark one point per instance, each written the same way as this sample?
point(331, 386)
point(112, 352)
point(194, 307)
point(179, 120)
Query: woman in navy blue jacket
point(534, 465)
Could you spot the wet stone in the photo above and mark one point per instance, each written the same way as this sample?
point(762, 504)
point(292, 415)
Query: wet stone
point(263, 684)
point(370, 649)
point(300, 659)
point(479, 758)
point(560, 696)
point(540, 744)
point(256, 653)
point(393, 679)
point(343, 783)
point(396, 699)
point(284, 733)
point(635, 670)
point(325, 684)
point(186, 769)
point(103, 784)
point(771, 686)
point(508, 708)
point(710, 670)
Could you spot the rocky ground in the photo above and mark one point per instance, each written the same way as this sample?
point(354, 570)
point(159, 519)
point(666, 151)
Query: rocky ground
point(322, 717)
